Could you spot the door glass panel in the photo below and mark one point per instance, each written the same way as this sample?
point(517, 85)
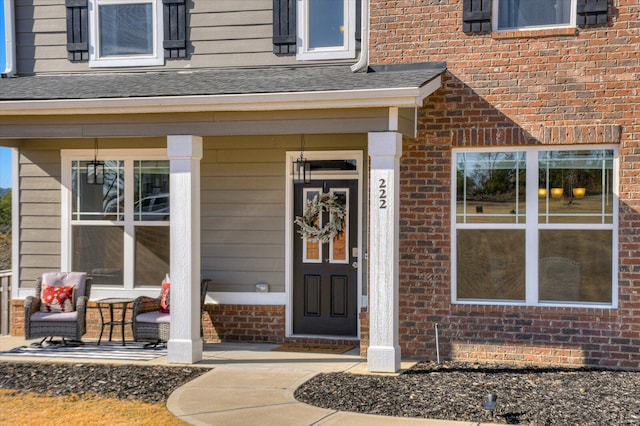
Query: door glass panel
point(338, 246)
point(99, 251)
point(312, 250)
point(575, 265)
point(491, 264)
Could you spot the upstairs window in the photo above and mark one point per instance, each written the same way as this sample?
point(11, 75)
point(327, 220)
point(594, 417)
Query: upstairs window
point(125, 33)
point(521, 14)
point(326, 29)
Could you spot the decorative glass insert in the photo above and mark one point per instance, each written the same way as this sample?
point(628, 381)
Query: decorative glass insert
point(338, 246)
point(514, 14)
point(312, 250)
point(490, 187)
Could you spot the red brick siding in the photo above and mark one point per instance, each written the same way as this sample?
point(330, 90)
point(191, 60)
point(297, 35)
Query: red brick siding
point(505, 90)
point(245, 323)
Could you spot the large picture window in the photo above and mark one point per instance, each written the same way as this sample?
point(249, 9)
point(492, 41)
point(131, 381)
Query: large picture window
point(118, 231)
point(535, 226)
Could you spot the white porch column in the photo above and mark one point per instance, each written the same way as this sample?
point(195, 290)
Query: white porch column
point(385, 149)
point(185, 344)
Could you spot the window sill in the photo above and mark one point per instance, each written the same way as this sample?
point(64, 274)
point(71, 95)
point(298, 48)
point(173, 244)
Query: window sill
point(551, 32)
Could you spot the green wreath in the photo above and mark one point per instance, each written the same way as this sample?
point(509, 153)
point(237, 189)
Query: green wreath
point(313, 211)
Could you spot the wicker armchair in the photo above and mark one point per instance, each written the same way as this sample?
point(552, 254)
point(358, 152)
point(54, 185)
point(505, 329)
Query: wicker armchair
point(151, 325)
point(67, 325)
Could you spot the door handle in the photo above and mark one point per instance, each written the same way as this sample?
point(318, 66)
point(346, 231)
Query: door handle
point(355, 265)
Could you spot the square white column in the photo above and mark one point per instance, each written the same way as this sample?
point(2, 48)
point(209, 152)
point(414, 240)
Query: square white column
point(385, 150)
point(185, 343)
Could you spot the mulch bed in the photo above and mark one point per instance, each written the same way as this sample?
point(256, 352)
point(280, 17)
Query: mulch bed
point(456, 391)
point(128, 382)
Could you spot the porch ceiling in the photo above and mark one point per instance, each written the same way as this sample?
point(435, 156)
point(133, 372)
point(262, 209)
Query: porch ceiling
point(255, 89)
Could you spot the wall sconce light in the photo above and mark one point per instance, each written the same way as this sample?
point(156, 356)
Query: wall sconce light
point(301, 167)
point(95, 168)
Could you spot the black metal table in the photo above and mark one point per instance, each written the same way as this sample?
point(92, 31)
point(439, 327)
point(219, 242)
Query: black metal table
point(112, 303)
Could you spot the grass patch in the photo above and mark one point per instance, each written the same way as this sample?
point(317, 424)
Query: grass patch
point(35, 409)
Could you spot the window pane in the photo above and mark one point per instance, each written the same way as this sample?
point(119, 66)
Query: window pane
point(152, 254)
point(126, 29)
point(98, 202)
point(326, 23)
point(529, 13)
point(151, 192)
point(490, 187)
point(491, 264)
point(575, 265)
point(575, 186)
point(99, 251)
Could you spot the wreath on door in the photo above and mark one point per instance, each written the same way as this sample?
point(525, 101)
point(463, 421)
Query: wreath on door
point(313, 212)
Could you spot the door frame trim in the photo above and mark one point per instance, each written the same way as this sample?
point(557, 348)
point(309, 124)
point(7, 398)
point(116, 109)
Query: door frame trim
point(291, 156)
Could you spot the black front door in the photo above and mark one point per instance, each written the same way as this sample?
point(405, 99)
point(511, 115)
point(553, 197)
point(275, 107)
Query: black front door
point(325, 282)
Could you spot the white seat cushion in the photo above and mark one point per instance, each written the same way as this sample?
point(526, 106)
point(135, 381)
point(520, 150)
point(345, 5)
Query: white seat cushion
point(55, 316)
point(154, 317)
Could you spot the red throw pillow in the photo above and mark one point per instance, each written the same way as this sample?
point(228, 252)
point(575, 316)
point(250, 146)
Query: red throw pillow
point(165, 298)
point(57, 298)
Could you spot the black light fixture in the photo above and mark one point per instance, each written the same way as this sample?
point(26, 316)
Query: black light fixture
point(95, 168)
point(301, 167)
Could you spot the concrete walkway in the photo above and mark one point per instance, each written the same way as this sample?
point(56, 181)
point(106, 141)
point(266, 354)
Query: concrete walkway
point(250, 384)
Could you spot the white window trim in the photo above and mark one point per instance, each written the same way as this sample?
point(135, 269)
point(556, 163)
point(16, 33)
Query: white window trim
point(128, 156)
point(157, 58)
point(347, 51)
point(532, 227)
point(494, 20)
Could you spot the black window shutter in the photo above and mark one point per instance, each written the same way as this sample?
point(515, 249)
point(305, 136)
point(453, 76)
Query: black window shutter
point(175, 28)
point(592, 12)
point(77, 30)
point(476, 16)
point(284, 27)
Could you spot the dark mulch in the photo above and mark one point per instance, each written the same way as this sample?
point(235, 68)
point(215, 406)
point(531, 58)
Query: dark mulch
point(144, 383)
point(456, 391)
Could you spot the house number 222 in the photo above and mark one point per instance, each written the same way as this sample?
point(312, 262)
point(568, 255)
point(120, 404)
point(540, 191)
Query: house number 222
point(382, 193)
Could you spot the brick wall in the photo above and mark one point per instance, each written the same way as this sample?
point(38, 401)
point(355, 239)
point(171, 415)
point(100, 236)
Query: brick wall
point(244, 323)
point(514, 89)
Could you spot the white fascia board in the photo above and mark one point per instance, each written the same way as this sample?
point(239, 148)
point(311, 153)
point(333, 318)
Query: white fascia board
point(369, 98)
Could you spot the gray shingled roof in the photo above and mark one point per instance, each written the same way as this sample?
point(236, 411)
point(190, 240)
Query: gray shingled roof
point(216, 82)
